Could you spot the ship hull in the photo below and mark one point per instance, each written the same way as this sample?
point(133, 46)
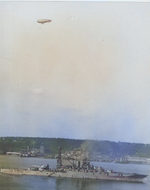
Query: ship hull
point(97, 176)
point(78, 174)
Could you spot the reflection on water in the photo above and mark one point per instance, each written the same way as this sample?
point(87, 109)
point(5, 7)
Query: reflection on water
point(82, 184)
point(8, 182)
point(86, 184)
point(39, 183)
point(12, 182)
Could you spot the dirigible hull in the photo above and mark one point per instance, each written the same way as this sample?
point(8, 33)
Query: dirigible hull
point(42, 21)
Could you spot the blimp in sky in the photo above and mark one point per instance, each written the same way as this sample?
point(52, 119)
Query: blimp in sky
point(42, 21)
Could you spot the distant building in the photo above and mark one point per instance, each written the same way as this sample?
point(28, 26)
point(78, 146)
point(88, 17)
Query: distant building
point(35, 152)
point(13, 153)
point(42, 150)
point(28, 148)
point(138, 160)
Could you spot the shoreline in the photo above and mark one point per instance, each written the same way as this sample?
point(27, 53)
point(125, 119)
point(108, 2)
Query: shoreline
point(90, 160)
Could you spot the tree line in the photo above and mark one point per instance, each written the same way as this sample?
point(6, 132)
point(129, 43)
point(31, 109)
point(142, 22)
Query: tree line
point(93, 146)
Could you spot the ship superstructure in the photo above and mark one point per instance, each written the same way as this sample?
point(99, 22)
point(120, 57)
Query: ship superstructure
point(77, 158)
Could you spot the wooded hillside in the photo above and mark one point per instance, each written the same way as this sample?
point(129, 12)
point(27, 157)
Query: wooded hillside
point(51, 146)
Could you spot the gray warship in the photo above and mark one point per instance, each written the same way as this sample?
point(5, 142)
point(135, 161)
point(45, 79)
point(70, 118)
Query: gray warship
point(76, 164)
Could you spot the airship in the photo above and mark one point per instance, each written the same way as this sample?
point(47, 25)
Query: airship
point(42, 21)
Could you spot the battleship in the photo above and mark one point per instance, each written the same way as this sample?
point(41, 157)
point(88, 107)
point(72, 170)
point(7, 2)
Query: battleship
point(76, 164)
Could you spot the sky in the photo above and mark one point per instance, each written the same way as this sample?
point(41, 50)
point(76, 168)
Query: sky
point(85, 75)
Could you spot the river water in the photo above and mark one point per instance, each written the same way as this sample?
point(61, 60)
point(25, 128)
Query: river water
point(12, 182)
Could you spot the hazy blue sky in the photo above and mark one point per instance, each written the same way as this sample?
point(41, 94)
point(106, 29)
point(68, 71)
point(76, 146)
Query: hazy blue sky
point(85, 75)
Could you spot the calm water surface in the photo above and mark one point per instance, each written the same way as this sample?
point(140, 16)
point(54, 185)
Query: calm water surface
point(12, 182)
